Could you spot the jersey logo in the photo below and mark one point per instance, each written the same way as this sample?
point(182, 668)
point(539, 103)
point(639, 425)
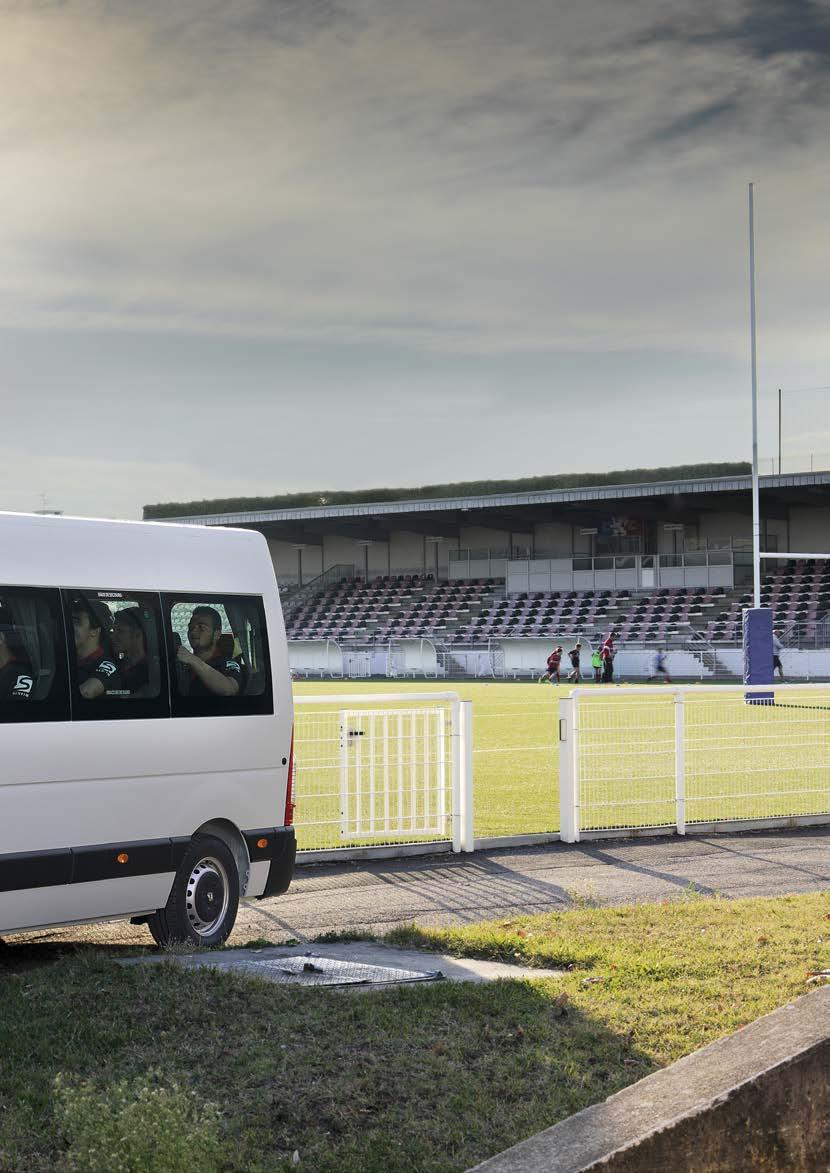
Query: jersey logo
point(231, 666)
point(107, 668)
point(22, 686)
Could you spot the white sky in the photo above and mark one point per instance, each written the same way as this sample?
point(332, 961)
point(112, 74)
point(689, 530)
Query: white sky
point(266, 245)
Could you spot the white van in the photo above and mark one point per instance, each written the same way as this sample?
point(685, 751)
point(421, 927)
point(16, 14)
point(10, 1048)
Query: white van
point(145, 726)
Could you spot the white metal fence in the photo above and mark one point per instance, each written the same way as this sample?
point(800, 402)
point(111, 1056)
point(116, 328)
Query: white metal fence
point(671, 757)
point(397, 770)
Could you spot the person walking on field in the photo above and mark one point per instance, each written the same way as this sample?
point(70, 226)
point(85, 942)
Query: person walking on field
point(658, 666)
point(596, 664)
point(607, 654)
point(776, 655)
point(573, 656)
point(554, 660)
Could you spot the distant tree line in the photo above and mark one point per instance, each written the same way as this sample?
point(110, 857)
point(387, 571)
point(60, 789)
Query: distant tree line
point(573, 480)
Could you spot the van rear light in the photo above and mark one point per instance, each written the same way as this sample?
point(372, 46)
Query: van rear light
point(289, 786)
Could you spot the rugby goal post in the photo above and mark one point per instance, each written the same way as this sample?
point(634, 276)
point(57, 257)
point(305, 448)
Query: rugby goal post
point(757, 635)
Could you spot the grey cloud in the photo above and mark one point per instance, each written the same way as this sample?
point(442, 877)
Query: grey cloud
point(293, 20)
point(474, 210)
point(770, 74)
point(721, 114)
point(763, 28)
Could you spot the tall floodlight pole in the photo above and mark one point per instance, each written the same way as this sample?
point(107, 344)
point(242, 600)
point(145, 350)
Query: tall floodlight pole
point(779, 431)
point(756, 512)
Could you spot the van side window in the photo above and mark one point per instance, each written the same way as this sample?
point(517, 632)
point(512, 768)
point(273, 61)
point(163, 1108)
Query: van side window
point(218, 654)
point(32, 661)
point(115, 654)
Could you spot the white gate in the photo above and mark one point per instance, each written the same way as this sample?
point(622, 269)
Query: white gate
point(357, 665)
point(693, 756)
point(396, 771)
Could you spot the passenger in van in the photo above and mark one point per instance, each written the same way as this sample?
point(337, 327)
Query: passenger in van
point(16, 677)
point(211, 673)
point(97, 670)
point(130, 645)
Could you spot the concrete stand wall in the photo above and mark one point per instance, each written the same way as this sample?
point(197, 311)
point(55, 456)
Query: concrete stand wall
point(757, 1100)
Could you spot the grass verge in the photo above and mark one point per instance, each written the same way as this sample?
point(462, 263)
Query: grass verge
point(421, 1078)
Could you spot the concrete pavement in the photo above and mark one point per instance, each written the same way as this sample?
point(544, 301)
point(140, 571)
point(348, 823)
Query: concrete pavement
point(453, 890)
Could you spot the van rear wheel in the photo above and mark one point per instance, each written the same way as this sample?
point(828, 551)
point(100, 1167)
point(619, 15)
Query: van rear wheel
point(203, 901)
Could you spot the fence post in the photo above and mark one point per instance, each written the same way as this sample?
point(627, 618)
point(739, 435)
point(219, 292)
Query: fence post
point(461, 717)
point(680, 761)
point(456, 772)
point(465, 755)
point(568, 819)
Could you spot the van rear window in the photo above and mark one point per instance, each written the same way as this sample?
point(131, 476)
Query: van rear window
point(32, 661)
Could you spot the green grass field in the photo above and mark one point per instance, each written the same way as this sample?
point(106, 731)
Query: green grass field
point(166, 1070)
point(741, 761)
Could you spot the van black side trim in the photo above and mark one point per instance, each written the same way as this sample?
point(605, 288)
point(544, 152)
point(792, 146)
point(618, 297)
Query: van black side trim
point(100, 862)
point(37, 869)
point(146, 857)
point(84, 865)
point(282, 863)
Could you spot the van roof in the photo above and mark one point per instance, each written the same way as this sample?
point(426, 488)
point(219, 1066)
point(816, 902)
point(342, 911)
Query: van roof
point(49, 550)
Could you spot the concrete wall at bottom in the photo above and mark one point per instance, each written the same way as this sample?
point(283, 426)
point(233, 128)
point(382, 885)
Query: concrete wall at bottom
point(756, 1100)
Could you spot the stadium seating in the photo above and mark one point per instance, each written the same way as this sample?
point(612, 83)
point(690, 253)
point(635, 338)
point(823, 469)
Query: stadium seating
point(659, 616)
point(391, 607)
point(798, 592)
point(470, 612)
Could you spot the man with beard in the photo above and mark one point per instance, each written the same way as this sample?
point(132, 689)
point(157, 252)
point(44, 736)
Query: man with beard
point(210, 673)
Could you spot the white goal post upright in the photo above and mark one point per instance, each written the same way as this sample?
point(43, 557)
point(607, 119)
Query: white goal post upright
point(756, 512)
point(757, 553)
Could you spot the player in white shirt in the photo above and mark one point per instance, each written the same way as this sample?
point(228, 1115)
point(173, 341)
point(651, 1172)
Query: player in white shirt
point(658, 666)
point(776, 654)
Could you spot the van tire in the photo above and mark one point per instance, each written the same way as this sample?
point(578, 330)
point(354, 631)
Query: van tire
point(201, 907)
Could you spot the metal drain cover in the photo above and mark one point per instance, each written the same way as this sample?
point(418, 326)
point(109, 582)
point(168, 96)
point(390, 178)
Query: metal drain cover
point(325, 971)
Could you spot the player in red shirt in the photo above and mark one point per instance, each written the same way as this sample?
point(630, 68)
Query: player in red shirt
point(209, 671)
point(97, 668)
point(554, 660)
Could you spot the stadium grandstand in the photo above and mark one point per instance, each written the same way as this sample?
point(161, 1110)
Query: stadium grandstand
point(481, 578)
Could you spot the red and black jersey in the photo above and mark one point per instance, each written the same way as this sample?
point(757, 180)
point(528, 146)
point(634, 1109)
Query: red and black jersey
point(136, 676)
point(230, 668)
point(97, 665)
point(16, 681)
point(554, 659)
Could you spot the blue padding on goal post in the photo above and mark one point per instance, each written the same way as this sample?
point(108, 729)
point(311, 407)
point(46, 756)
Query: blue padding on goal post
point(757, 633)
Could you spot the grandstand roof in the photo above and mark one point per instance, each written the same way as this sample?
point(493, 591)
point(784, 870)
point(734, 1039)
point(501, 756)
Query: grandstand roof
point(512, 510)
